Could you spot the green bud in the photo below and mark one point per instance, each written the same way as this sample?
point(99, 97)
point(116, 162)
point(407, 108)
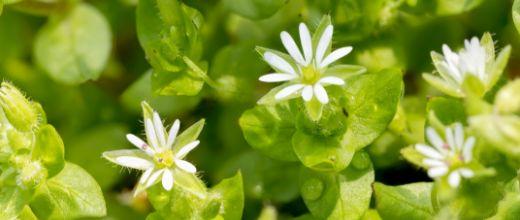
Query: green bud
point(49, 149)
point(18, 110)
point(18, 140)
point(508, 98)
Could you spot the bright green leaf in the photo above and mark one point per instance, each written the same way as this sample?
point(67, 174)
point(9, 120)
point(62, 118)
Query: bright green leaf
point(370, 102)
point(254, 9)
point(74, 47)
point(72, 193)
point(344, 195)
point(267, 128)
point(411, 201)
point(231, 193)
point(49, 149)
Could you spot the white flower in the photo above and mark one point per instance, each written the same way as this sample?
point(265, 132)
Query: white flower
point(469, 60)
point(448, 158)
point(305, 71)
point(476, 59)
point(156, 157)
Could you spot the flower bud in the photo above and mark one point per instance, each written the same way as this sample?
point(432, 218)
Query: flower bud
point(31, 174)
point(18, 110)
point(508, 98)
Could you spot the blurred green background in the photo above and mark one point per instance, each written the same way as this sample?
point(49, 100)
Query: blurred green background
point(94, 116)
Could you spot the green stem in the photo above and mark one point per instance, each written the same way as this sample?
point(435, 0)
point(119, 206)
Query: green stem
point(200, 73)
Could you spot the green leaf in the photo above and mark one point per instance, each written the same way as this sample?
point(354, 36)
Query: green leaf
point(267, 128)
point(344, 195)
point(254, 9)
point(451, 7)
point(231, 193)
point(141, 89)
point(27, 214)
point(169, 33)
point(322, 153)
point(73, 193)
point(446, 110)
point(345, 71)
point(49, 149)
point(91, 143)
point(13, 201)
point(186, 200)
point(74, 47)
point(411, 201)
point(262, 176)
point(413, 156)
point(371, 102)
point(516, 14)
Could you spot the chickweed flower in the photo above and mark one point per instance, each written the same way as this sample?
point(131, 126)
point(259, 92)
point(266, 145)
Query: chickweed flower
point(305, 73)
point(156, 156)
point(449, 157)
point(475, 60)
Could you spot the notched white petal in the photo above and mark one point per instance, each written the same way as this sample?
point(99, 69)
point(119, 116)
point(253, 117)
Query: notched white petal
point(335, 55)
point(305, 39)
point(323, 43)
point(173, 132)
point(434, 138)
point(278, 63)
point(288, 91)
point(435, 172)
point(291, 47)
point(146, 175)
point(167, 179)
point(307, 93)
point(186, 149)
point(332, 80)
point(277, 77)
point(186, 166)
point(134, 162)
point(159, 129)
point(454, 179)
point(154, 177)
point(321, 94)
point(428, 151)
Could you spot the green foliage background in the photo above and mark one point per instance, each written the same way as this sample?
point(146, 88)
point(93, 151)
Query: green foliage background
point(84, 63)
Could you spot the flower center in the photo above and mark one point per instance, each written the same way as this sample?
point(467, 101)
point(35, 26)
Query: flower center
point(310, 75)
point(164, 159)
point(455, 160)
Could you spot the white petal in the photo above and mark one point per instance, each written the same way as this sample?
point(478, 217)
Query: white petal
point(321, 93)
point(291, 47)
point(307, 93)
point(167, 179)
point(466, 173)
point(454, 179)
point(323, 43)
point(435, 172)
point(159, 129)
point(332, 80)
point(278, 63)
point(459, 135)
point(335, 55)
point(139, 143)
point(146, 175)
point(288, 91)
point(305, 39)
point(186, 166)
point(153, 178)
point(428, 151)
point(450, 138)
point(134, 162)
point(434, 138)
point(467, 149)
point(433, 162)
point(277, 77)
point(186, 149)
point(150, 134)
point(173, 132)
